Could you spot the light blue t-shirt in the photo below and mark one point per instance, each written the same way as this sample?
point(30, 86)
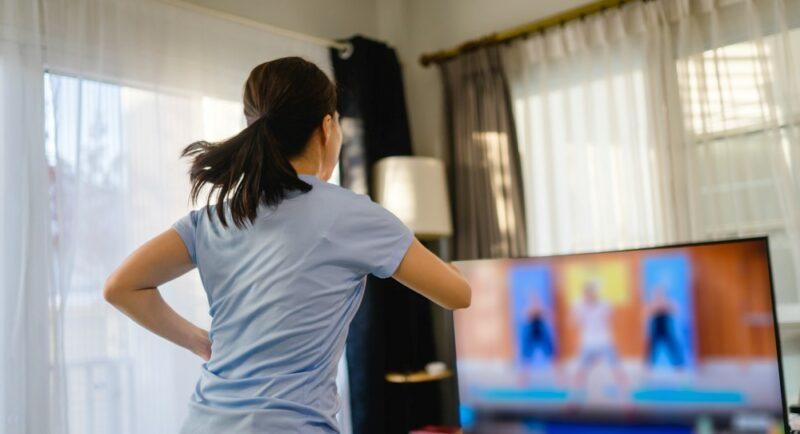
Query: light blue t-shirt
point(282, 293)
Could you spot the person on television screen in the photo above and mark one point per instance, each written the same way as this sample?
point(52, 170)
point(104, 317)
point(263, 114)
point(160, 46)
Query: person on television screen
point(592, 315)
point(536, 334)
point(660, 331)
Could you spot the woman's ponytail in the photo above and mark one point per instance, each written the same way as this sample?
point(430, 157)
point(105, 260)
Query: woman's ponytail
point(290, 97)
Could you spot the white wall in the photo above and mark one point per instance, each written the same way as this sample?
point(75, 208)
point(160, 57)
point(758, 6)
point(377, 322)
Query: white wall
point(323, 18)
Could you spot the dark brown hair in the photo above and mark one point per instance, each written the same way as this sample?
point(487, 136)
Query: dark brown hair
point(285, 101)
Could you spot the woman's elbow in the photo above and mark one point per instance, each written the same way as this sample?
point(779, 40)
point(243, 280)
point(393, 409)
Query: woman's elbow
point(464, 299)
point(467, 296)
point(111, 290)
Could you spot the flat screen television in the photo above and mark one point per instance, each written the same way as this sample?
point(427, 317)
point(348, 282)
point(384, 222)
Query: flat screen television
point(673, 339)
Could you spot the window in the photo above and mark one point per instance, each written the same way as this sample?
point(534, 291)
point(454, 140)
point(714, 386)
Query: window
point(625, 143)
point(589, 162)
point(116, 181)
point(739, 143)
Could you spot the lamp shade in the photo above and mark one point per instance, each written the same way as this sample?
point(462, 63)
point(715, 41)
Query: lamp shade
point(415, 190)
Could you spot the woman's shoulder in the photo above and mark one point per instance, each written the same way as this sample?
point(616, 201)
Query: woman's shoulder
point(348, 208)
point(340, 196)
point(334, 194)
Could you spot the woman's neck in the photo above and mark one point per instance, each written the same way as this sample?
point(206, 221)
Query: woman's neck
point(306, 166)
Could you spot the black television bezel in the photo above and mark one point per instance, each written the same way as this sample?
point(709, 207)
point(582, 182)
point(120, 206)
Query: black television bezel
point(764, 239)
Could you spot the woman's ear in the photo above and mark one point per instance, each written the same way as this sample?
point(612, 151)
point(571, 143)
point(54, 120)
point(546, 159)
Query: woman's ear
point(327, 128)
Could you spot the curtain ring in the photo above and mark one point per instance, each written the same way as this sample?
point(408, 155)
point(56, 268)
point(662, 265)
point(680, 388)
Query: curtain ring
point(347, 51)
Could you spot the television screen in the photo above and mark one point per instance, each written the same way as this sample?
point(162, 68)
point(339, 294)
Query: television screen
point(667, 339)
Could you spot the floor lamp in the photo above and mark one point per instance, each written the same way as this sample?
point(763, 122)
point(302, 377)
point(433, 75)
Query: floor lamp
point(415, 190)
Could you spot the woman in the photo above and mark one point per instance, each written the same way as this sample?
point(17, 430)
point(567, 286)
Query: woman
point(537, 332)
point(593, 316)
point(660, 313)
point(282, 261)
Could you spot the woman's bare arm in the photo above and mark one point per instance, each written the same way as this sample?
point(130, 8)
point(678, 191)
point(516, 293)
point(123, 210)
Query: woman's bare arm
point(133, 289)
point(436, 280)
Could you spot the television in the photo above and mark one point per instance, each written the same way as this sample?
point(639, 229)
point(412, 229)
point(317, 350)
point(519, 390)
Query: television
point(673, 339)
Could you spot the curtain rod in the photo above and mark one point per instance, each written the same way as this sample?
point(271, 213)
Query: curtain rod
point(521, 31)
point(344, 48)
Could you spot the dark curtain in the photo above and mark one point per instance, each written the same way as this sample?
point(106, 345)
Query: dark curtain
point(483, 158)
point(392, 330)
point(373, 109)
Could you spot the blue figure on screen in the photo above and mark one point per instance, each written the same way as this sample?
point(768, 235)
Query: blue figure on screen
point(536, 334)
point(532, 308)
point(661, 331)
point(668, 312)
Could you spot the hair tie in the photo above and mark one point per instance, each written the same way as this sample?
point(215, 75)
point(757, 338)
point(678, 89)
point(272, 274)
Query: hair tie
point(251, 120)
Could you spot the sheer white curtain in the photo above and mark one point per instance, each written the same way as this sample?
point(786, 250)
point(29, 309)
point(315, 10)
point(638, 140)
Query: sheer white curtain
point(117, 181)
point(588, 135)
point(737, 68)
point(99, 97)
point(25, 382)
point(664, 121)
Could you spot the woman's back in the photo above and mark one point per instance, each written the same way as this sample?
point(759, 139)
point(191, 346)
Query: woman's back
point(282, 293)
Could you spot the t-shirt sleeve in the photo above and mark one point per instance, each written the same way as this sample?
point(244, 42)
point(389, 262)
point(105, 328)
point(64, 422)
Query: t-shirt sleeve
point(186, 228)
point(370, 238)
